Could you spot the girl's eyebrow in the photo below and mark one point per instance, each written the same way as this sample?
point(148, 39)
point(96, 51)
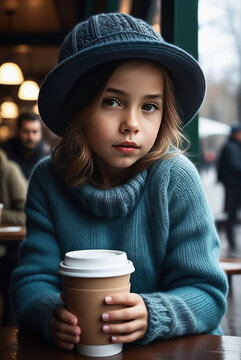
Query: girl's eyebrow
point(123, 93)
point(154, 96)
point(116, 91)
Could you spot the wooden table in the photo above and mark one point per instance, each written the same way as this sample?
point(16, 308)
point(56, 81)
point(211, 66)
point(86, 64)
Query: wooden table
point(17, 345)
point(12, 233)
point(232, 267)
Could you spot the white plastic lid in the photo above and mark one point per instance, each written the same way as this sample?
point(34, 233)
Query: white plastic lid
point(1, 206)
point(95, 263)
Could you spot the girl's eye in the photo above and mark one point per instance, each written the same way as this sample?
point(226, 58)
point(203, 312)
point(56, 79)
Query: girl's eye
point(111, 103)
point(150, 107)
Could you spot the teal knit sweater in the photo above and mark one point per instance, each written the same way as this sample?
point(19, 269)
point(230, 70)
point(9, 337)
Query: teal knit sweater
point(160, 219)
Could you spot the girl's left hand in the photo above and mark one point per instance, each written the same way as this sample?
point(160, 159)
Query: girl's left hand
point(133, 319)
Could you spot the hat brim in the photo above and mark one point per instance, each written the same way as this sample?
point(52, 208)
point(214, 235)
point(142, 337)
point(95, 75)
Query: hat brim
point(186, 74)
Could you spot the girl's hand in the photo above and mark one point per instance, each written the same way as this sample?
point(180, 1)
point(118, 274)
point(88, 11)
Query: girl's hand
point(64, 329)
point(135, 316)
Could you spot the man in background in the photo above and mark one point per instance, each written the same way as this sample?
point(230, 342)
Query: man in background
point(13, 190)
point(229, 173)
point(28, 147)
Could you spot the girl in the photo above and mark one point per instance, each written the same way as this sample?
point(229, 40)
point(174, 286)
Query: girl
point(118, 180)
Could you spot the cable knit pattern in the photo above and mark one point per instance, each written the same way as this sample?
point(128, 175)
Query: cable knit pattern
point(114, 202)
point(160, 219)
point(96, 31)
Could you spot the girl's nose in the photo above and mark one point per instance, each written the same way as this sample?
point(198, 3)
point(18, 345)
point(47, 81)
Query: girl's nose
point(130, 123)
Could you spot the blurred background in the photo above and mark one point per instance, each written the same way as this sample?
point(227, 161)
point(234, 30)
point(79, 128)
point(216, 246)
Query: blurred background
point(219, 50)
point(220, 57)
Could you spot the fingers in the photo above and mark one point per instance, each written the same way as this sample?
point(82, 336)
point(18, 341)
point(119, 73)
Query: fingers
point(128, 299)
point(130, 323)
point(135, 307)
point(65, 316)
point(126, 332)
point(66, 342)
point(124, 314)
point(64, 329)
point(127, 338)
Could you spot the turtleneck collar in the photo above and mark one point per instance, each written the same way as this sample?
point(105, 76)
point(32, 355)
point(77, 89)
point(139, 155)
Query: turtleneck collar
point(114, 202)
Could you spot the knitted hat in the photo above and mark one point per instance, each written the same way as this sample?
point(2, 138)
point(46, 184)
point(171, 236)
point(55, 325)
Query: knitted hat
point(107, 37)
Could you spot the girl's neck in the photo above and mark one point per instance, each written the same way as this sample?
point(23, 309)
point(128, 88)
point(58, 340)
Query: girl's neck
point(106, 181)
point(106, 177)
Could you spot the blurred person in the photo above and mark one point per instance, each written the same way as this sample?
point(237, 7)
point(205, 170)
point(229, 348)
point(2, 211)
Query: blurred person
point(28, 147)
point(13, 190)
point(229, 173)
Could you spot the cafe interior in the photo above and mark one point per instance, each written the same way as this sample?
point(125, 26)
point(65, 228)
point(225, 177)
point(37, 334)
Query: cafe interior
point(31, 32)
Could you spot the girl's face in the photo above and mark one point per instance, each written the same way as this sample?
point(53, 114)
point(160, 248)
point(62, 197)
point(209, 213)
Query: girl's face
point(125, 125)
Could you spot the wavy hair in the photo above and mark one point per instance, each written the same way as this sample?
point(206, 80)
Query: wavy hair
point(72, 154)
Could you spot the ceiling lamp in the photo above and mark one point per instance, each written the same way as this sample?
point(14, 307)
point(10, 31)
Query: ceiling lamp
point(10, 74)
point(35, 109)
point(28, 90)
point(4, 133)
point(9, 109)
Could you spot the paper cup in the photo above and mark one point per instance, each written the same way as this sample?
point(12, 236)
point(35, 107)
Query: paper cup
point(89, 276)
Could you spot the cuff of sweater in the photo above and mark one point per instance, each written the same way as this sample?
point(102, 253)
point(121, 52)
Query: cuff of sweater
point(37, 319)
point(160, 324)
point(46, 309)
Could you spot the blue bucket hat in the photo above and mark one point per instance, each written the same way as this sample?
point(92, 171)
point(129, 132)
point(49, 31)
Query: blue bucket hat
point(115, 36)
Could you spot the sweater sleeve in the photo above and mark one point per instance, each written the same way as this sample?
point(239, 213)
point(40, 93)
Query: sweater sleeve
point(193, 299)
point(36, 286)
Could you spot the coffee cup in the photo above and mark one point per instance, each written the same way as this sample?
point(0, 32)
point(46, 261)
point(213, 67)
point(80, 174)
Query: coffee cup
point(1, 210)
point(88, 277)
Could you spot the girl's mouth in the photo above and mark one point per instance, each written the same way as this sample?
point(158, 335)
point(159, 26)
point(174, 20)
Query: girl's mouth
point(126, 147)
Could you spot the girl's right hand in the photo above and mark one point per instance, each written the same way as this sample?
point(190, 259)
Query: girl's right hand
point(64, 329)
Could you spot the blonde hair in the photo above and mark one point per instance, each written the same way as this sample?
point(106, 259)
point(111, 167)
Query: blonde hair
point(73, 155)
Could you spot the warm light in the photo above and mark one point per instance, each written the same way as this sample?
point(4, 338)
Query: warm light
point(125, 6)
point(22, 49)
point(4, 132)
point(10, 5)
point(9, 109)
point(156, 27)
point(10, 74)
point(28, 90)
point(35, 109)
